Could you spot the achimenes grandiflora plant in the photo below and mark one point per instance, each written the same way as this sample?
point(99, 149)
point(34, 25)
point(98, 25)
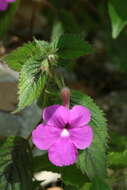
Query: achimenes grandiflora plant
point(73, 129)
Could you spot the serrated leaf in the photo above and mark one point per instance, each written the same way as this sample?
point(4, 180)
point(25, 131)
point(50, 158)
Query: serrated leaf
point(71, 46)
point(18, 57)
point(45, 48)
point(93, 159)
point(31, 82)
point(15, 164)
point(6, 17)
point(118, 16)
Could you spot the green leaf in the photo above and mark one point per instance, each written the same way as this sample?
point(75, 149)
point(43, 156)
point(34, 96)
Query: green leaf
point(32, 81)
point(44, 48)
point(18, 57)
point(70, 46)
point(15, 164)
point(86, 186)
point(5, 160)
point(57, 30)
point(118, 16)
point(99, 185)
point(117, 159)
point(42, 163)
point(38, 48)
point(75, 179)
point(93, 159)
point(70, 187)
point(6, 17)
point(22, 159)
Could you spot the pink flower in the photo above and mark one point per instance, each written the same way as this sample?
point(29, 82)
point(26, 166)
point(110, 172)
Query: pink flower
point(63, 132)
point(4, 4)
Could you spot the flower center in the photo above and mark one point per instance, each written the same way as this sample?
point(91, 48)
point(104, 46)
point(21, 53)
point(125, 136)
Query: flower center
point(65, 133)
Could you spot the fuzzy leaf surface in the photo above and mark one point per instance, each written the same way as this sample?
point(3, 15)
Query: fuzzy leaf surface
point(92, 160)
point(71, 46)
point(31, 82)
point(44, 48)
point(19, 56)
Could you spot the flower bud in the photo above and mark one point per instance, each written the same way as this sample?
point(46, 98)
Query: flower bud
point(65, 96)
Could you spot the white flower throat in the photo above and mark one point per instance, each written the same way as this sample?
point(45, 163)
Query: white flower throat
point(65, 133)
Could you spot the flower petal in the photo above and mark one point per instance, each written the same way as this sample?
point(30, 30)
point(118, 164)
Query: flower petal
point(79, 116)
point(63, 152)
point(81, 137)
point(3, 5)
point(56, 115)
point(44, 136)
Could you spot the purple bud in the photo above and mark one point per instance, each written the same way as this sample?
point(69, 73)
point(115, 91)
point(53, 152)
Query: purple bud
point(65, 96)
